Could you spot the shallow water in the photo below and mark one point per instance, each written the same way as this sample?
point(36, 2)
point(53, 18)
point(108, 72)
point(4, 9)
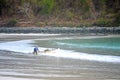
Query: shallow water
point(104, 49)
point(108, 46)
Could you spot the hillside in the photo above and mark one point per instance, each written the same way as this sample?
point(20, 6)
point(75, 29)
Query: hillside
point(70, 13)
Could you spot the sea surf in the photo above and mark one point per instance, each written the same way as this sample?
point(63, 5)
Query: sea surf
point(102, 49)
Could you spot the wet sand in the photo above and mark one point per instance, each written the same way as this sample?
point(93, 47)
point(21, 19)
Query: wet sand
point(19, 66)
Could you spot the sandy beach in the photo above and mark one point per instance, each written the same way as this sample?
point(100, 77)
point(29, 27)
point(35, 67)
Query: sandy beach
point(19, 66)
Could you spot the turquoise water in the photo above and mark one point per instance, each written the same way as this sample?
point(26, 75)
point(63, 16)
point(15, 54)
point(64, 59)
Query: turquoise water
point(106, 46)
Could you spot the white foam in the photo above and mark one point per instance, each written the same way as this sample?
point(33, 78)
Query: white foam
point(18, 46)
point(85, 56)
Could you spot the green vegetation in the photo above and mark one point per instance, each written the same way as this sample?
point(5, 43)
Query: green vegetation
point(62, 12)
point(47, 6)
point(12, 23)
point(103, 22)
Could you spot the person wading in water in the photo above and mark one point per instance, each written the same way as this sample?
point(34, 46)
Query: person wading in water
point(36, 50)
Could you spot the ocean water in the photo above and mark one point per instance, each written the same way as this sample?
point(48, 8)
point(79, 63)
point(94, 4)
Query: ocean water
point(107, 46)
point(102, 49)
